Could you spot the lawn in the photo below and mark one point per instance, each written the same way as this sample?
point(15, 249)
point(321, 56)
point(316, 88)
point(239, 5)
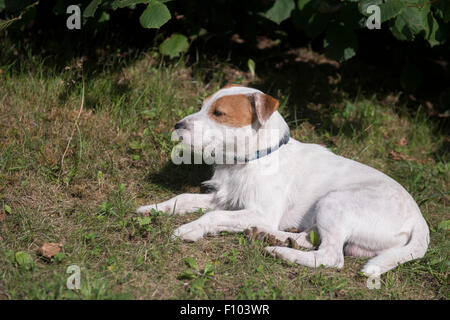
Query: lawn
point(76, 161)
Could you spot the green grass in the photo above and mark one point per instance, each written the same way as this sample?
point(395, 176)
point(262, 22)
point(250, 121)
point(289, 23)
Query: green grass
point(119, 158)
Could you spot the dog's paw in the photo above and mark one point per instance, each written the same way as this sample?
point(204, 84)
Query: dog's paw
point(188, 232)
point(274, 251)
point(146, 209)
point(371, 270)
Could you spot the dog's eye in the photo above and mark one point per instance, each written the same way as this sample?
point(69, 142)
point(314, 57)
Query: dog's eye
point(218, 113)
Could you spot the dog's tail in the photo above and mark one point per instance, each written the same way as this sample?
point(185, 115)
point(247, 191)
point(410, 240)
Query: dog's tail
point(391, 258)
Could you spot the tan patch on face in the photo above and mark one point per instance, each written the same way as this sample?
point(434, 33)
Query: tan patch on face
point(233, 110)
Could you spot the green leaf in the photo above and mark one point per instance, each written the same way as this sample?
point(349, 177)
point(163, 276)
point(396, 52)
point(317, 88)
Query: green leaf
point(144, 221)
point(149, 114)
point(280, 11)
point(314, 238)
point(155, 15)
point(260, 268)
point(174, 45)
point(364, 4)
point(135, 145)
point(187, 274)
point(128, 3)
point(24, 260)
point(91, 8)
point(104, 17)
point(190, 261)
point(444, 225)
point(7, 209)
point(435, 35)
point(410, 22)
point(340, 43)
point(251, 66)
point(209, 269)
point(391, 9)
point(60, 256)
point(302, 3)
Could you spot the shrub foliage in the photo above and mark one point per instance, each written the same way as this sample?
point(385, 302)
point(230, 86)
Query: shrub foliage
point(334, 21)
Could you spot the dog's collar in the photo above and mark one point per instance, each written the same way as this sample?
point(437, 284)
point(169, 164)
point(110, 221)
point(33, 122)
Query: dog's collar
point(261, 153)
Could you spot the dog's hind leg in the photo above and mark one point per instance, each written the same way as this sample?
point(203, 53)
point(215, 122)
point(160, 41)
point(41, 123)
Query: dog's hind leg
point(312, 259)
point(390, 258)
point(183, 203)
point(330, 252)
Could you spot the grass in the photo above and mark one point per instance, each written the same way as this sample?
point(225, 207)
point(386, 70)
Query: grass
point(119, 158)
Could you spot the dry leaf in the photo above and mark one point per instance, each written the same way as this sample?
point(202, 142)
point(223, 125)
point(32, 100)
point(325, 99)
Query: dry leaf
point(50, 249)
point(400, 156)
point(403, 142)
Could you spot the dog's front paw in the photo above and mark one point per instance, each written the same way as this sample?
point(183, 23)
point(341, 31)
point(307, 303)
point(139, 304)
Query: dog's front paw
point(189, 232)
point(371, 270)
point(146, 209)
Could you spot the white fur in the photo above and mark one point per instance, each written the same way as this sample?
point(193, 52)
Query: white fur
point(348, 203)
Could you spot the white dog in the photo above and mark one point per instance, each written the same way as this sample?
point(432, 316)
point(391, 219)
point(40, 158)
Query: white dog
point(354, 208)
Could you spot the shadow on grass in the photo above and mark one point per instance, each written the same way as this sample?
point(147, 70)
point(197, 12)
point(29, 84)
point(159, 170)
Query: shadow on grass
point(182, 178)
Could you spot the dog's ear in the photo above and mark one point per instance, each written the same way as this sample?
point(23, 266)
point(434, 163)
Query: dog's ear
point(265, 105)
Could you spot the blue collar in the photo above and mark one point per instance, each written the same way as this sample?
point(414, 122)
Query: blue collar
point(261, 153)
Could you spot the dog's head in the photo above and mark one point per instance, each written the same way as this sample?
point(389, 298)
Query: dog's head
point(233, 117)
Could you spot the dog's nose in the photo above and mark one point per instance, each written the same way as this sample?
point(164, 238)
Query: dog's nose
point(180, 125)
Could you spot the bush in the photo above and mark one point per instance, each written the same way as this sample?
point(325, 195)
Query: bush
point(332, 22)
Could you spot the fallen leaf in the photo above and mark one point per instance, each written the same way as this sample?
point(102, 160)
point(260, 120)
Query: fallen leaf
point(50, 249)
point(400, 156)
point(237, 38)
point(403, 142)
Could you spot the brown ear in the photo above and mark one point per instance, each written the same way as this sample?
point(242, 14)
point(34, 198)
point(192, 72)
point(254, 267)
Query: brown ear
point(265, 105)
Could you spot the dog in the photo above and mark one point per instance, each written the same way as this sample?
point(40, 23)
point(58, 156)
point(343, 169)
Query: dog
point(354, 209)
